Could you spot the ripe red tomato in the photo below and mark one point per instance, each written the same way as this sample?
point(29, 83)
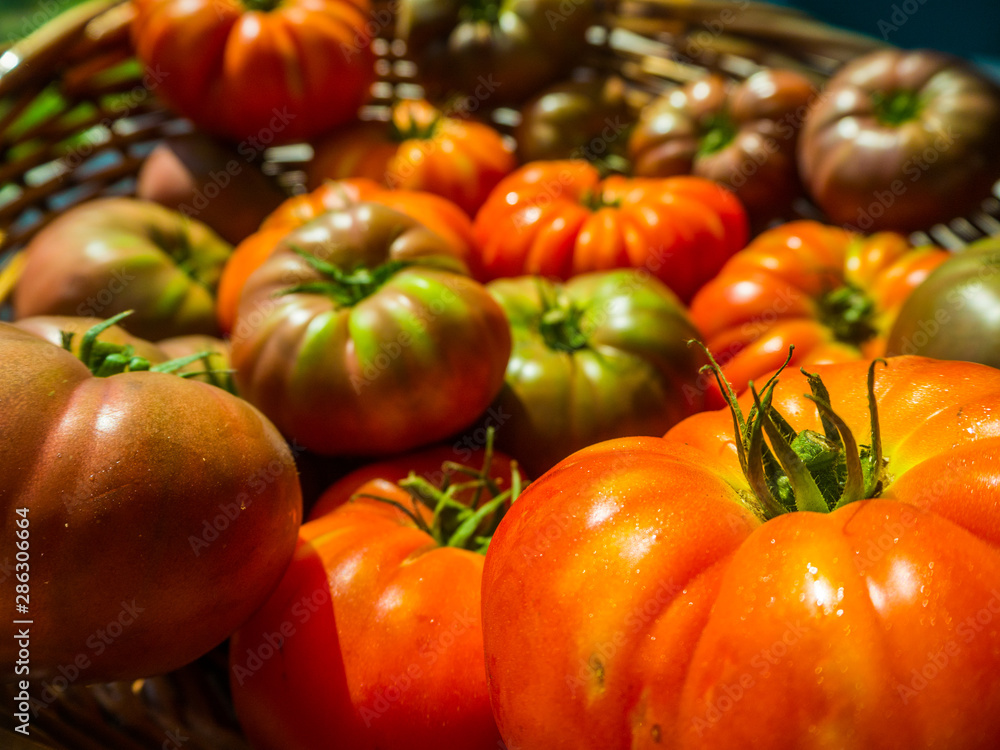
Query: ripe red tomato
point(832, 294)
point(560, 219)
point(374, 636)
point(647, 593)
point(258, 71)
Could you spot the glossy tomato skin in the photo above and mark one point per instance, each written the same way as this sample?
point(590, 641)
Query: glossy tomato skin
point(651, 607)
point(166, 506)
point(436, 213)
point(373, 637)
point(258, 76)
point(560, 219)
point(420, 148)
point(901, 140)
point(498, 52)
point(417, 359)
point(110, 255)
point(742, 136)
point(952, 314)
point(782, 289)
point(632, 372)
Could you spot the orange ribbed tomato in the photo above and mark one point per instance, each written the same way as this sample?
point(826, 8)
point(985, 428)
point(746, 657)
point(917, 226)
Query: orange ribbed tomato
point(436, 213)
point(559, 218)
point(832, 294)
point(420, 148)
point(637, 596)
point(258, 71)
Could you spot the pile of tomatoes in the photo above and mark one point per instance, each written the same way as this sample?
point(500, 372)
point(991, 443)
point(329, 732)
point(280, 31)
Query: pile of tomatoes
point(637, 455)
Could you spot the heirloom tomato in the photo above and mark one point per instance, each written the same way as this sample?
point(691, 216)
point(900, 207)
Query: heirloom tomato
point(362, 335)
point(830, 293)
point(901, 140)
point(711, 591)
point(436, 213)
point(258, 71)
point(580, 119)
point(374, 639)
point(420, 148)
point(110, 255)
point(494, 50)
point(953, 313)
point(151, 514)
point(604, 355)
point(740, 135)
point(559, 218)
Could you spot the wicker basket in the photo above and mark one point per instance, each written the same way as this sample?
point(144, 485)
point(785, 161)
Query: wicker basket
point(76, 122)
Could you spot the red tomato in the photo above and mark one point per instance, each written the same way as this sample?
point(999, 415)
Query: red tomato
point(374, 636)
point(832, 294)
point(560, 219)
point(258, 71)
point(645, 593)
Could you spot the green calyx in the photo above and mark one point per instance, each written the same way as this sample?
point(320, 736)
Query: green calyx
point(345, 288)
point(455, 523)
point(480, 11)
point(413, 131)
point(718, 132)
point(561, 322)
point(105, 359)
point(849, 313)
point(896, 107)
point(261, 5)
point(804, 471)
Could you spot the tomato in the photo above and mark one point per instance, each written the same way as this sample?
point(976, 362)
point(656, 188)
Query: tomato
point(952, 314)
point(830, 293)
point(374, 636)
point(901, 140)
point(742, 136)
point(604, 355)
point(115, 254)
point(361, 335)
point(157, 512)
point(203, 179)
point(644, 593)
point(560, 219)
point(434, 212)
point(494, 51)
point(580, 119)
point(420, 148)
point(258, 71)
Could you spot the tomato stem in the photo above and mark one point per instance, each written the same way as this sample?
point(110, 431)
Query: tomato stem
point(896, 108)
point(803, 471)
point(453, 523)
point(413, 119)
point(345, 288)
point(849, 313)
point(480, 11)
point(105, 359)
point(263, 6)
point(561, 323)
point(718, 131)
